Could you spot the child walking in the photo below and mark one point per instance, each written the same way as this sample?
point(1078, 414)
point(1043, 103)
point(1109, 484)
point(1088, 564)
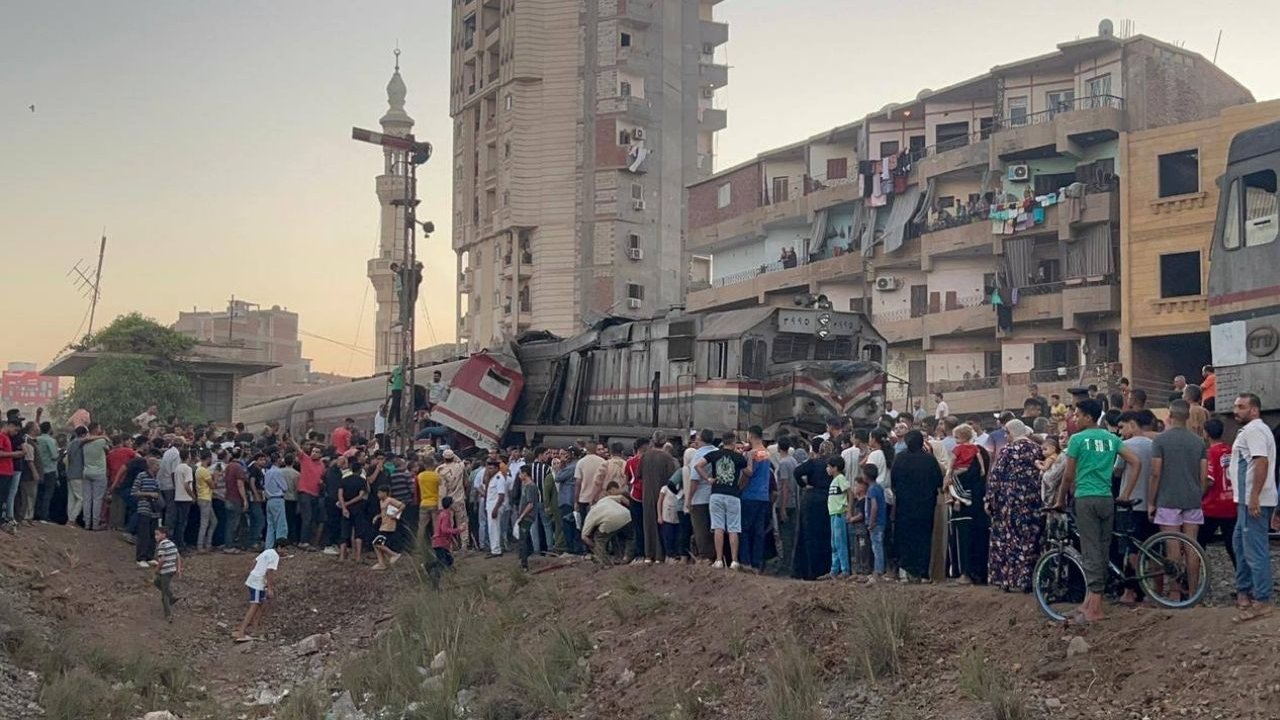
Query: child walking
point(168, 565)
point(261, 584)
point(838, 510)
point(446, 534)
point(389, 514)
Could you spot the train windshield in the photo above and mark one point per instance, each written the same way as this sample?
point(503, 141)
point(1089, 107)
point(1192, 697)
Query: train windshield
point(1252, 216)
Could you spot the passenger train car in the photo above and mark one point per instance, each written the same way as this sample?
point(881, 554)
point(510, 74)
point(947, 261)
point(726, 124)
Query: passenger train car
point(1244, 272)
point(758, 366)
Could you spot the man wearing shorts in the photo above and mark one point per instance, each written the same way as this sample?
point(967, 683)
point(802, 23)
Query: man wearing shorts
point(1179, 468)
point(727, 469)
point(1091, 454)
point(261, 584)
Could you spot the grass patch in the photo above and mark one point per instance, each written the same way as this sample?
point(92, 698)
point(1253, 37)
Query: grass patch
point(78, 694)
point(981, 680)
point(305, 702)
point(791, 679)
point(544, 678)
point(630, 602)
point(883, 624)
point(692, 703)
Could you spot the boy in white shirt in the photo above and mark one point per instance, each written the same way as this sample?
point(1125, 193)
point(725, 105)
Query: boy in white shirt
point(261, 584)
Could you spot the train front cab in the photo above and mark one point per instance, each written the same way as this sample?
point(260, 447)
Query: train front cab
point(1244, 276)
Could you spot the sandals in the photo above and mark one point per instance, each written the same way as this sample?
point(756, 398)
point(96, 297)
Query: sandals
point(1251, 614)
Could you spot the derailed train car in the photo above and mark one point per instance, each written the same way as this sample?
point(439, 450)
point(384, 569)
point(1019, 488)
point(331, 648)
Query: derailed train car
point(759, 366)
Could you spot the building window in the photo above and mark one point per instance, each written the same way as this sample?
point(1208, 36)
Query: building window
point(986, 126)
point(724, 194)
point(837, 168)
point(1179, 173)
point(1045, 183)
point(624, 88)
point(916, 377)
point(1059, 101)
point(624, 137)
point(625, 40)
point(637, 191)
point(916, 144)
point(1099, 90)
point(633, 242)
point(781, 189)
point(993, 363)
point(1180, 274)
point(889, 147)
point(508, 102)
point(1018, 110)
point(506, 198)
point(635, 291)
point(951, 135)
point(753, 358)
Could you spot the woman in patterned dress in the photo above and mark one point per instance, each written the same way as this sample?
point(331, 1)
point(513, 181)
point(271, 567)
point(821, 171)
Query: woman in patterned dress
point(1013, 503)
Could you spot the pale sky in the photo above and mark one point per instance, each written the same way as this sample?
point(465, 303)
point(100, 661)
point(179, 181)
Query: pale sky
point(212, 138)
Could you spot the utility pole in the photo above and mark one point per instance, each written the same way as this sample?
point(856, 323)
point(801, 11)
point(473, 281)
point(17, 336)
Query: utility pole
point(97, 280)
point(410, 155)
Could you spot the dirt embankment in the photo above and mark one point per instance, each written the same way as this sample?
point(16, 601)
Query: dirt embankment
point(660, 642)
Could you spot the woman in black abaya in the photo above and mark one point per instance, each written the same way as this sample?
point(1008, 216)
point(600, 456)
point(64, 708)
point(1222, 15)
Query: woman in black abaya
point(917, 478)
point(812, 558)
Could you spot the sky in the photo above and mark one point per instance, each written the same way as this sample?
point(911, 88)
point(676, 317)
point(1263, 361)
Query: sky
point(211, 139)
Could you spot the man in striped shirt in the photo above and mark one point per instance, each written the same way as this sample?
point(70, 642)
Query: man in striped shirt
point(168, 565)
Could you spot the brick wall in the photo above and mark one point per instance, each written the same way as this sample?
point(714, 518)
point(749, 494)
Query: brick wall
point(744, 197)
point(608, 152)
point(1164, 86)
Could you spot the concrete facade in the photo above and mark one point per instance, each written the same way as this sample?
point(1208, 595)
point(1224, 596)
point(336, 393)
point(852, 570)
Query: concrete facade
point(926, 263)
point(576, 127)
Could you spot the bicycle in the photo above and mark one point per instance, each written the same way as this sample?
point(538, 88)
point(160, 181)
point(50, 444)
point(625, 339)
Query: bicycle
point(1163, 569)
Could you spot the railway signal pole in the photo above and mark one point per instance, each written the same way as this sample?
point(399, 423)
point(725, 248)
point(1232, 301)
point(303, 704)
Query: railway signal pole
point(410, 154)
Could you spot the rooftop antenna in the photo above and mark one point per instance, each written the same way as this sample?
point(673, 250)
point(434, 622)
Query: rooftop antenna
point(1216, 46)
point(90, 286)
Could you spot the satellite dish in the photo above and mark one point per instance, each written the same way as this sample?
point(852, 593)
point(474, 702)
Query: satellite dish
point(1106, 28)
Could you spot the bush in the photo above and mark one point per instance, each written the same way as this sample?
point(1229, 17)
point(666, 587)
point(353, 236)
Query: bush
point(544, 678)
point(791, 678)
point(884, 625)
point(982, 680)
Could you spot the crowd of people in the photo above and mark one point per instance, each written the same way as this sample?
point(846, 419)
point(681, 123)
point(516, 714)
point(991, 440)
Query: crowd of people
point(918, 498)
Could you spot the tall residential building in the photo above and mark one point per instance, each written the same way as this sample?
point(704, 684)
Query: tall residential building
point(248, 332)
point(577, 127)
point(977, 225)
point(388, 346)
point(1168, 210)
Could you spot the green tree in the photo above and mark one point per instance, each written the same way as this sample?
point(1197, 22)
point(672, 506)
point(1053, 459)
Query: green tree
point(140, 365)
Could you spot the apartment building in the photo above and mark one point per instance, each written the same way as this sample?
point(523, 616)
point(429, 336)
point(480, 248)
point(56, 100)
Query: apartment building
point(577, 127)
point(1168, 208)
point(978, 225)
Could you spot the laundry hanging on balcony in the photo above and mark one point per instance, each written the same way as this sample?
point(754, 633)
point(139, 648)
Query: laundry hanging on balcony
point(903, 209)
point(867, 233)
point(926, 202)
point(1073, 199)
point(1088, 253)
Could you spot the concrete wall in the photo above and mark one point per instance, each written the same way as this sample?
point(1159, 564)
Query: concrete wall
point(1167, 85)
point(757, 252)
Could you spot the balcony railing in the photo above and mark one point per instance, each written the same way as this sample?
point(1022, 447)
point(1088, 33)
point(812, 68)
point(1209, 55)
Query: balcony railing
point(1091, 102)
point(951, 143)
point(965, 384)
point(751, 274)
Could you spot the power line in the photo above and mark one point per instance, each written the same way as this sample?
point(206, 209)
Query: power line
point(339, 343)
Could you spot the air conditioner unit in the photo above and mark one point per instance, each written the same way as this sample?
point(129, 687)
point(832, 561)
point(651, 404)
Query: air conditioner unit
point(635, 253)
point(708, 93)
point(634, 303)
point(637, 134)
point(1019, 173)
point(886, 283)
point(637, 205)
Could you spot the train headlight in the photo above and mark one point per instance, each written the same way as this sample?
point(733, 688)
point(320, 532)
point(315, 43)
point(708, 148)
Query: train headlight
point(824, 326)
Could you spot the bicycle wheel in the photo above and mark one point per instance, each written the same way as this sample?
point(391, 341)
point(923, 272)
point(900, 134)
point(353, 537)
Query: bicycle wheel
point(1058, 583)
point(1173, 570)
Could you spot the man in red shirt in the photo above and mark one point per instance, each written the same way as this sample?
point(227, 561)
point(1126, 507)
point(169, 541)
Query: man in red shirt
point(631, 471)
point(342, 436)
point(237, 503)
point(1219, 503)
point(7, 455)
point(117, 458)
point(310, 473)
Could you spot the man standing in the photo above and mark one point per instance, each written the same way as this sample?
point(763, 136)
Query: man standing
point(47, 462)
point(168, 464)
point(1091, 454)
point(1209, 388)
point(396, 383)
point(726, 469)
point(1198, 415)
point(94, 486)
point(237, 502)
point(1033, 393)
point(584, 476)
point(634, 489)
point(918, 412)
point(380, 427)
point(1179, 384)
point(274, 487)
point(430, 488)
point(342, 436)
point(697, 494)
point(1253, 460)
point(888, 410)
point(435, 391)
point(453, 484)
point(495, 497)
point(940, 411)
point(310, 483)
point(545, 486)
point(118, 459)
point(757, 500)
point(1179, 470)
point(255, 484)
point(75, 475)
point(656, 468)
point(8, 458)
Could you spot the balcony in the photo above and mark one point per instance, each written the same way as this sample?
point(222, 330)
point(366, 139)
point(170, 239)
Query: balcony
point(752, 287)
point(1101, 205)
point(638, 13)
point(970, 236)
point(1038, 303)
point(824, 194)
point(794, 210)
point(1065, 130)
point(714, 75)
point(715, 33)
point(1085, 297)
point(965, 316)
point(712, 119)
point(970, 395)
point(953, 154)
point(898, 326)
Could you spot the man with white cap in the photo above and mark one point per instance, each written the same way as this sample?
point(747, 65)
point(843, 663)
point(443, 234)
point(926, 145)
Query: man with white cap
point(453, 484)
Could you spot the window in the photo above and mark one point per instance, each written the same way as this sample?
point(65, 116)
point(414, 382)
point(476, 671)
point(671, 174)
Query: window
point(858, 305)
point(1045, 183)
point(1098, 90)
point(633, 241)
point(718, 359)
point(791, 347)
point(495, 385)
point(1179, 173)
point(624, 137)
point(506, 149)
point(1180, 274)
point(625, 40)
point(946, 201)
point(506, 198)
point(680, 340)
point(724, 195)
point(781, 189)
point(952, 135)
point(916, 376)
point(889, 147)
point(1051, 356)
point(1018, 110)
point(754, 358)
point(986, 126)
point(838, 348)
point(1260, 217)
point(1059, 101)
point(624, 88)
point(508, 102)
point(919, 300)
point(637, 191)
point(837, 168)
point(993, 363)
point(635, 291)
point(916, 144)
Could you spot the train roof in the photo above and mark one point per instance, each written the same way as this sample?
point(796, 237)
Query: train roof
point(366, 389)
point(733, 323)
point(1253, 142)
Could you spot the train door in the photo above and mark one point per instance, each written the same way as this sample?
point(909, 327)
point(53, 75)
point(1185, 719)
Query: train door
point(752, 378)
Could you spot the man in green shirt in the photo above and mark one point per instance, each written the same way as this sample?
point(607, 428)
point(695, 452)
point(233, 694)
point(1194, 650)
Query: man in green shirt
point(397, 391)
point(47, 461)
point(1091, 455)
